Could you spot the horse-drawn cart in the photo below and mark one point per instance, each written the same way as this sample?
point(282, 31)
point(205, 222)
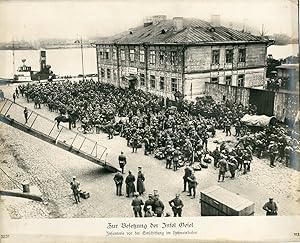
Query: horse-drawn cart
point(257, 122)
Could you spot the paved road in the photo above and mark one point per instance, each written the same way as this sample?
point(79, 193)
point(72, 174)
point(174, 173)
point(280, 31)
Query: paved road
point(51, 169)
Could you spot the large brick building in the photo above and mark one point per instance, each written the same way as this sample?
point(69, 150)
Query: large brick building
point(164, 56)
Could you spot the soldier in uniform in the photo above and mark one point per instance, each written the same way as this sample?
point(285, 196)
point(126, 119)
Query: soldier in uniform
point(17, 92)
point(216, 155)
point(176, 205)
point(232, 165)
point(122, 161)
point(158, 206)
point(149, 202)
point(227, 126)
point(237, 126)
point(26, 114)
point(270, 207)
point(288, 150)
point(149, 212)
point(137, 205)
point(169, 153)
point(239, 157)
point(187, 174)
point(192, 185)
point(118, 178)
point(246, 160)
point(130, 188)
point(146, 145)
point(75, 188)
point(205, 137)
point(176, 159)
point(140, 187)
point(135, 141)
point(273, 150)
point(222, 169)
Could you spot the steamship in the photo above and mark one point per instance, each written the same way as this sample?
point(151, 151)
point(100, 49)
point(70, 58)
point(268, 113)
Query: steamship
point(25, 74)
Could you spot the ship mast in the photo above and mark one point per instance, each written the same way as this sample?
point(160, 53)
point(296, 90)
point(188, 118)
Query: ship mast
point(13, 52)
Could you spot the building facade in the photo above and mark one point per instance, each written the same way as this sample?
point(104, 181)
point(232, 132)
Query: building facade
point(166, 56)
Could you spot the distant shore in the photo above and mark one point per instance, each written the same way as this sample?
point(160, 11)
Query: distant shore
point(69, 46)
point(47, 48)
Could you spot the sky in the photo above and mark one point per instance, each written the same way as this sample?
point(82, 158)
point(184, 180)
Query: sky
point(29, 20)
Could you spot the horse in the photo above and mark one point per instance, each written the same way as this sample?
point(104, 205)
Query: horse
point(70, 119)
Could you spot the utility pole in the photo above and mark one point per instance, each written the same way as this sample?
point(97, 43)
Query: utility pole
point(81, 47)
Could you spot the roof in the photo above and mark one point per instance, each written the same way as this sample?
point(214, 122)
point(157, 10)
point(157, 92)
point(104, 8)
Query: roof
point(194, 31)
point(227, 198)
point(288, 66)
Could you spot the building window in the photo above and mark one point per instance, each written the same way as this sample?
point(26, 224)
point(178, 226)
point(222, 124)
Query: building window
point(241, 80)
point(214, 80)
point(114, 54)
point(228, 80)
point(102, 73)
point(152, 57)
point(173, 58)
point(161, 57)
point(107, 54)
point(101, 53)
point(122, 55)
point(115, 75)
point(142, 79)
point(242, 55)
point(174, 84)
point(131, 55)
point(162, 83)
point(142, 56)
point(152, 81)
point(215, 56)
point(229, 56)
point(108, 74)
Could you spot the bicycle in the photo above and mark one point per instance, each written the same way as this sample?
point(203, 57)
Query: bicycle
point(86, 129)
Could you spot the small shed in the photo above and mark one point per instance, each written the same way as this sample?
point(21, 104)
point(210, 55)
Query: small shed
point(217, 201)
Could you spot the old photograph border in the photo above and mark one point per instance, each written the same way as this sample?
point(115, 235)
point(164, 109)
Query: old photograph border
point(167, 229)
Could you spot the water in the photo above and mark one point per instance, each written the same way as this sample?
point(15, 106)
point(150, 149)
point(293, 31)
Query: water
point(68, 61)
point(283, 51)
point(63, 61)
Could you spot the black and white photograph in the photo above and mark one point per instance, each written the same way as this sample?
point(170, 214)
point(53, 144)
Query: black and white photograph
point(133, 110)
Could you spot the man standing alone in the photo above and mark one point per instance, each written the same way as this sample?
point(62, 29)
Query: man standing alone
point(270, 207)
point(75, 188)
point(118, 178)
point(26, 114)
point(187, 174)
point(176, 205)
point(122, 161)
point(222, 169)
point(130, 188)
point(137, 205)
point(192, 185)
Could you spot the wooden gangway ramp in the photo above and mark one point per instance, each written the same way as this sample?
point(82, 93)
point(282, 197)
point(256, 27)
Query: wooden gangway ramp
point(45, 129)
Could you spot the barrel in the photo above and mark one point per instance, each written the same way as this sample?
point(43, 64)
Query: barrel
point(25, 186)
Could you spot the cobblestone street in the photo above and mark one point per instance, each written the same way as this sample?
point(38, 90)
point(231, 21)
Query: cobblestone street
point(50, 169)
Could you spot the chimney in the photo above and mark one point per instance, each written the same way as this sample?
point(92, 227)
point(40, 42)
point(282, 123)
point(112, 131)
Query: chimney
point(178, 23)
point(215, 20)
point(157, 18)
point(148, 21)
